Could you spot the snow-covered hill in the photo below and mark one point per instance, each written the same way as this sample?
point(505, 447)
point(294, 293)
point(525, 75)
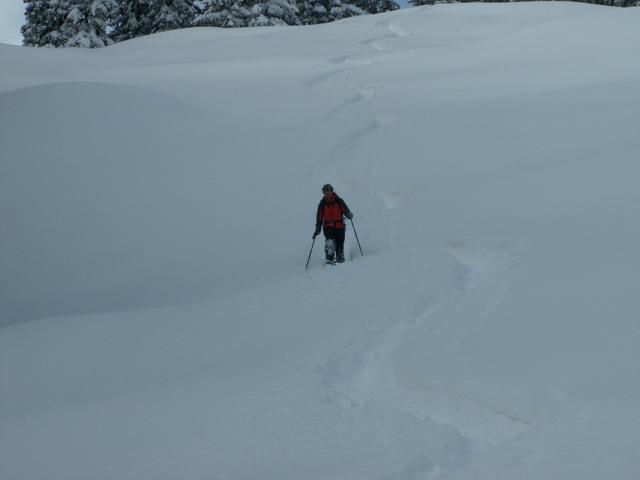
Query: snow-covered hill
point(157, 201)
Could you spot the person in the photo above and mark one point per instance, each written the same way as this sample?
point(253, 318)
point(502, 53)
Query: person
point(330, 217)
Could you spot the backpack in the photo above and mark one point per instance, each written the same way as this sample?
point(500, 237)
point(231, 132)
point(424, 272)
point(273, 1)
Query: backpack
point(332, 213)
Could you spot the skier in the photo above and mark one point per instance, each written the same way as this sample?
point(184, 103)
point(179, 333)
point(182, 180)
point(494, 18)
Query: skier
point(331, 211)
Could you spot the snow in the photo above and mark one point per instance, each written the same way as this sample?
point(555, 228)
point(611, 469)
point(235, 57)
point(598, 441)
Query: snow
point(158, 198)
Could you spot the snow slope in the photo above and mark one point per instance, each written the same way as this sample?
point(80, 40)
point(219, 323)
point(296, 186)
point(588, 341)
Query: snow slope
point(157, 200)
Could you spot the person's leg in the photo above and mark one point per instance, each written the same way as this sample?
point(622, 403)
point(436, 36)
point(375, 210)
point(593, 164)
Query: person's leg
point(339, 236)
point(330, 243)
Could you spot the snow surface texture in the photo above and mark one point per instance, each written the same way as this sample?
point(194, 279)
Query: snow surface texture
point(158, 197)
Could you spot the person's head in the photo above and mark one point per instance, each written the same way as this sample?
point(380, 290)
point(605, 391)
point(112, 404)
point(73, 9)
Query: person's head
point(327, 190)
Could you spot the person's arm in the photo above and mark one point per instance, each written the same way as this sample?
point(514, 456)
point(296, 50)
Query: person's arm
point(318, 220)
point(345, 209)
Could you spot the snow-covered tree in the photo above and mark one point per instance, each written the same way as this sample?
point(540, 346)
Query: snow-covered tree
point(275, 12)
point(377, 6)
point(223, 13)
point(42, 18)
point(322, 11)
point(250, 13)
point(132, 19)
point(86, 24)
point(68, 23)
point(170, 15)
point(247, 13)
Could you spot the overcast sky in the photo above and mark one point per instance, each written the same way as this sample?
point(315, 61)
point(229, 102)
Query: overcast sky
point(12, 18)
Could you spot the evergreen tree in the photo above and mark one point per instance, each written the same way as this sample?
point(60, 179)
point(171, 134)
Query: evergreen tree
point(275, 12)
point(247, 13)
point(68, 23)
point(377, 6)
point(323, 11)
point(224, 13)
point(43, 17)
point(169, 15)
point(132, 19)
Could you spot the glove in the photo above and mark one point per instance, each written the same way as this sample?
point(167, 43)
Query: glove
point(349, 215)
point(316, 233)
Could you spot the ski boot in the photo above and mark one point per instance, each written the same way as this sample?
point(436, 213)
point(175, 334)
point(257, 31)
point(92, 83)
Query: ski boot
point(329, 252)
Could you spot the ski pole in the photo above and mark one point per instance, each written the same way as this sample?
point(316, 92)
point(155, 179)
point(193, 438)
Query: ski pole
point(312, 244)
point(356, 234)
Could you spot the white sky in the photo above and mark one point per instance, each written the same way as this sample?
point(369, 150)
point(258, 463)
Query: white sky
point(11, 19)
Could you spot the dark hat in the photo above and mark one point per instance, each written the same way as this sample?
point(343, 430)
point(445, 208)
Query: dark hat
point(327, 188)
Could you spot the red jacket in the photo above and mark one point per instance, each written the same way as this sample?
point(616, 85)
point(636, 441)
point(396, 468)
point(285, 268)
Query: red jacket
point(331, 211)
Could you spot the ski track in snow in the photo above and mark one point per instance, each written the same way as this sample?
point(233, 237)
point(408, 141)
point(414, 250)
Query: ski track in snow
point(367, 94)
point(360, 374)
point(362, 94)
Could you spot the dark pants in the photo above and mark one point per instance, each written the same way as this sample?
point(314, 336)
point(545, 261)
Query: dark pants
point(334, 243)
